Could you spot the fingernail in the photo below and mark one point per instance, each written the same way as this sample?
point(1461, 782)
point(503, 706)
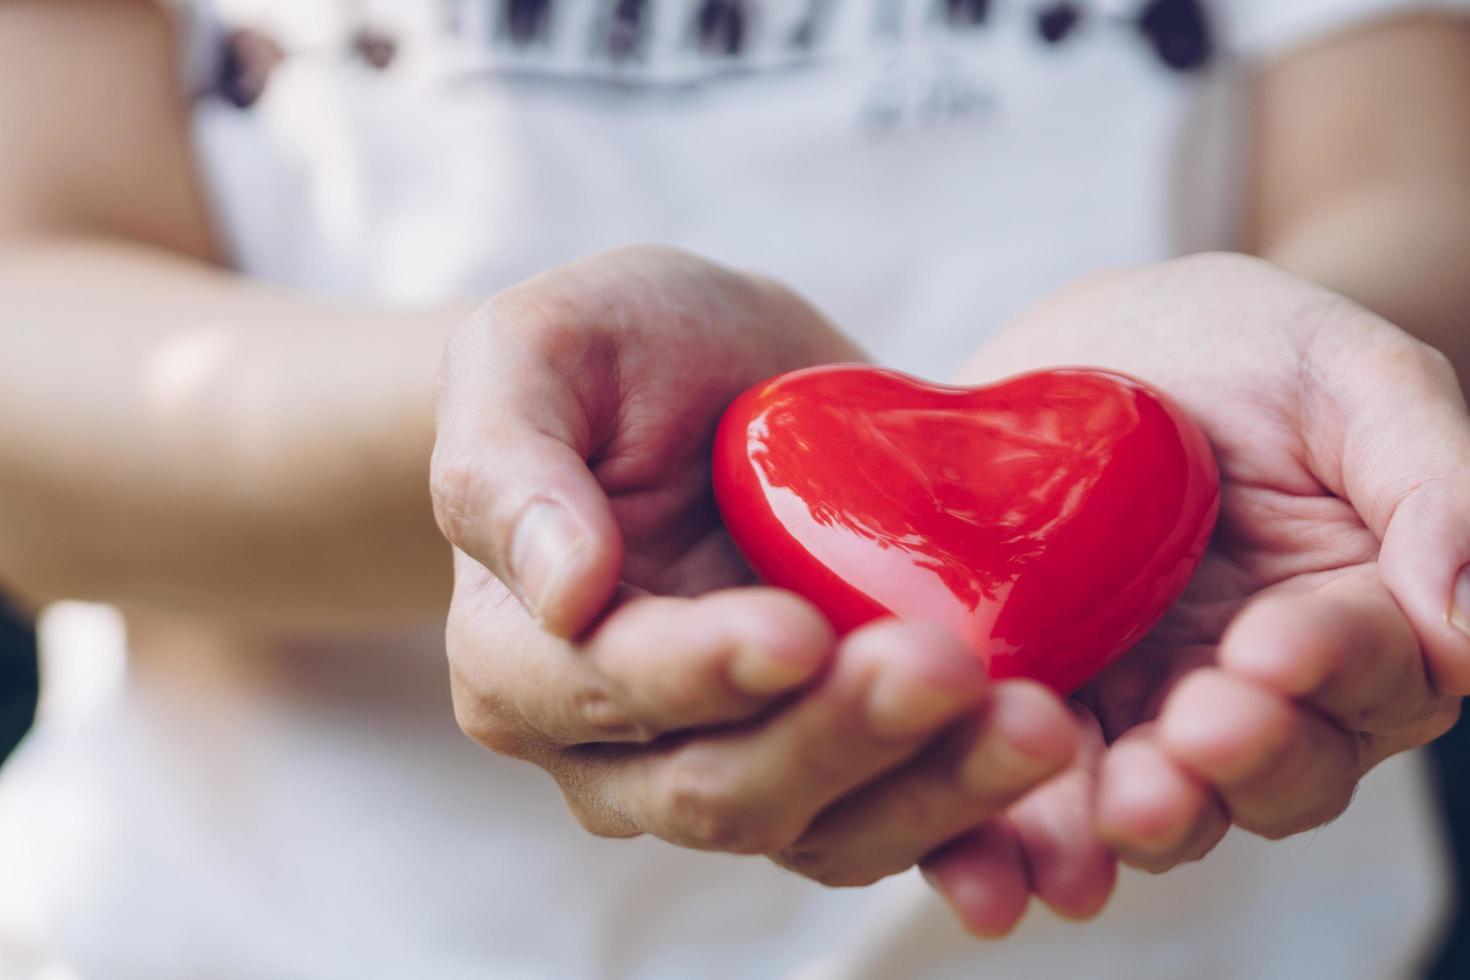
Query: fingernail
point(546, 542)
point(904, 708)
point(1460, 603)
point(758, 671)
point(995, 765)
point(1018, 713)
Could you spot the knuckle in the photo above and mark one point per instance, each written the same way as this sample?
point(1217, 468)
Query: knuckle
point(829, 759)
point(987, 789)
point(1451, 672)
point(1425, 362)
point(679, 694)
point(598, 819)
point(683, 704)
point(1448, 716)
point(917, 806)
point(607, 719)
point(828, 868)
point(542, 326)
point(708, 812)
point(1439, 722)
point(1152, 864)
point(1437, 365)
point(483, 720)
point(655, 255)
point(455, 486)
point(1404, 362)
point(459, 640)
point(519, 316)
point(851, 877)
point(1220, 270)
point(608, 830)
point(1199, 850)
point(1318, 814)
point(1278, 830)
point(1214, 264)
point(1157, 860)
point(557, 340)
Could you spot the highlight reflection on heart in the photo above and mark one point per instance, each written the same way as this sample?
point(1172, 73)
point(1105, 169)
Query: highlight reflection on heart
point(1050, 519)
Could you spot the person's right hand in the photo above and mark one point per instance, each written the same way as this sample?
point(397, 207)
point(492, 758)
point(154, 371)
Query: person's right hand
point(640, 668)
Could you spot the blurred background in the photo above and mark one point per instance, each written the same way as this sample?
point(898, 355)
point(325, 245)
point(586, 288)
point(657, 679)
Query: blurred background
point(1451, 757)
point(18, 680)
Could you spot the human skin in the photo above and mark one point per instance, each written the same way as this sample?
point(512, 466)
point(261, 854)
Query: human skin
point(131, 492)
point(1319, 637)
point(1326, 628)
point(601, 493)
point(1372, 201)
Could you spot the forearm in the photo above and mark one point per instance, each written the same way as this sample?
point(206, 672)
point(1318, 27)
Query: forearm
point(176, 436)
point(1362, 172)
point(1402, 250)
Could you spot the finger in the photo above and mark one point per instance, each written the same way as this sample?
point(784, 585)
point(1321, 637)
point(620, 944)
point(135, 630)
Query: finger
point(1346, 649)
point(509, 477)
point(891, 689)
point(982, 875)
point(1152, 811)
point(1388, 427)
point(1022, 736)
point(674, 664)
point(1425, 562)
point(1279, 768)
point(1071, 869)
point(653, 666)
point(628, 357)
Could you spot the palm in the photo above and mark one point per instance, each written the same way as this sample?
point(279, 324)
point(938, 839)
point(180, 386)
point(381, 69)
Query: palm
point(1268, 538)
point(1229, 341)
point(1340, 443)
point(663, 502)
point(689, 342)
point(646, 347)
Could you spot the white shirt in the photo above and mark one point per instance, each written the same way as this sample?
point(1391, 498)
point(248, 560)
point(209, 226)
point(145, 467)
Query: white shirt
point(921, 180)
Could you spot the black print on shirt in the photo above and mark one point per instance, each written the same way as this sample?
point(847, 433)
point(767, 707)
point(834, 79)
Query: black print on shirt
point(965, 13)
point(721, 39)
point(526, 21)
point(624, 31)
point(1178, 32)
point(719, 27)
point(1056, 21)
point(812, 24)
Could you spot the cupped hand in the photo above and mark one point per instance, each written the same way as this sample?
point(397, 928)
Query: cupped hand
point(1329, 624)
point(603, 627)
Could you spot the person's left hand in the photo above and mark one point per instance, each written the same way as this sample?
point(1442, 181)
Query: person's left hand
point(1329, 624)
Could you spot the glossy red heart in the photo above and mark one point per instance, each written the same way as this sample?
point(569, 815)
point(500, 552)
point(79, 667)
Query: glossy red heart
point(1050, 519)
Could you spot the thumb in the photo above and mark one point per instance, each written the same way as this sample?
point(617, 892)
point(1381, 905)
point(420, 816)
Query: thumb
point(509, 476)
point(1406, 469)
point(1425, 563)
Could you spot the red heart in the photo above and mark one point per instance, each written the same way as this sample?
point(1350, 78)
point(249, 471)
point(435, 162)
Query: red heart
point(1050, 519)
